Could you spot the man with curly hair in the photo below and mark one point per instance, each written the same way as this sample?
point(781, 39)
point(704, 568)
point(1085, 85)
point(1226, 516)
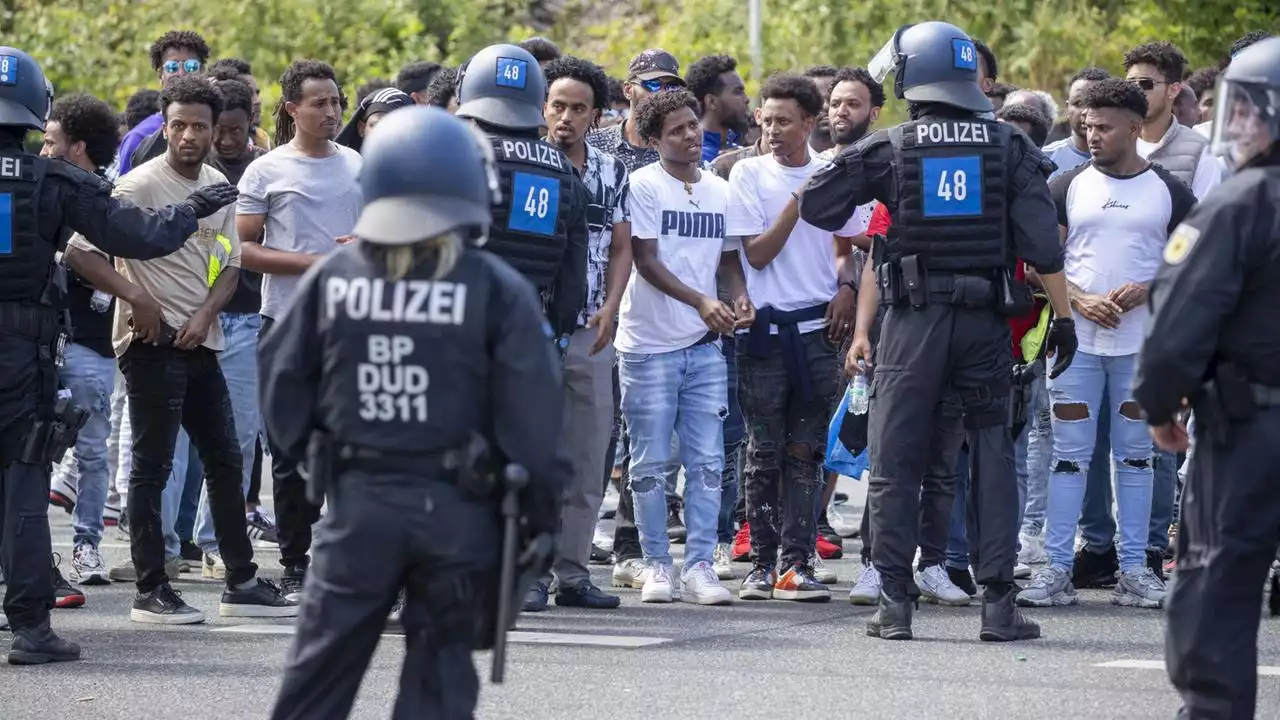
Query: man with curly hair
point(174, 54)
point(167, 336)
point(715, 82)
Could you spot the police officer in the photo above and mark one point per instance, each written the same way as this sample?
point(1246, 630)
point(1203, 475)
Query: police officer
point(41, 200)
point(397, 350)
point(540, 224)
point(1214, 339)
point(967, 195)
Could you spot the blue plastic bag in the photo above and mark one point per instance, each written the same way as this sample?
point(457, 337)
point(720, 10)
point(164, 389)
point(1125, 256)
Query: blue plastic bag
point(839, 458)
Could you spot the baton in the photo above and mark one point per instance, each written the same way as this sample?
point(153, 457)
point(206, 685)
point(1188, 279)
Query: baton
point(516, 478)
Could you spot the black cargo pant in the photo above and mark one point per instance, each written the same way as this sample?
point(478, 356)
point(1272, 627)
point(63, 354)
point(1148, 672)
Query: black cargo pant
point(171, 388)
point(1227, 538)
point(786, 438)
point(927, 358)
point(383, 533)
point(295, 515)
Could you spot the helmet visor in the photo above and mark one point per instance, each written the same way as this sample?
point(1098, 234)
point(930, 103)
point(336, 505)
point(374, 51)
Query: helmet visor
point(886, 62)
point(1245, 121)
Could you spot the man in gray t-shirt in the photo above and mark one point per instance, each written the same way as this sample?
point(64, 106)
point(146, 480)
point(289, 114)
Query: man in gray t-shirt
point(304, 204)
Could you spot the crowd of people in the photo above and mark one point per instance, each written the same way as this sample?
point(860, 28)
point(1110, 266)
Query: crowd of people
point(712, 339)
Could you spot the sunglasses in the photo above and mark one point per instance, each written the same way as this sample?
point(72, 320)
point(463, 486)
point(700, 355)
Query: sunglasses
point(1147, 83)
point(190, 65)
point(659, 85)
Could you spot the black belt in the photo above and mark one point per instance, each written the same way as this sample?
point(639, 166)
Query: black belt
point(442, 465)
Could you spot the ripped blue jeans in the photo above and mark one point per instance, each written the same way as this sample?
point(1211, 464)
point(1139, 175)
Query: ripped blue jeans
point(1075, 399)
point(682, 391)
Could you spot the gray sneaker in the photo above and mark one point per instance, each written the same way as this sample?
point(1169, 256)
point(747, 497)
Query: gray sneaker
point(87, 567)
point(1051, 587)
point(1139, 588)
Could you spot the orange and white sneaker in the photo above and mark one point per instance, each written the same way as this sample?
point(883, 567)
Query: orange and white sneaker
point(798, 583)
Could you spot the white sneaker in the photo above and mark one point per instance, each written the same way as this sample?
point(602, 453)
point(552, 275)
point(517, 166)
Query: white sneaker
point(867, 590)
point(1139, 588)
point(1021, 571)
point(657, 585)
point(722, 560)
point(701, 585)
point(87, 567)
point(1051, 587)
point(1032, 552)
point(602, 539)
point(213, 568)
point(630, 573)
point(821, 571)
point(844, 522)
point(936, 587)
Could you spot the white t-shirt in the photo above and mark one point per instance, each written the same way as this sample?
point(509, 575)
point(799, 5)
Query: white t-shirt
point(1117, 228)
point(690, 230)
point(804, 272)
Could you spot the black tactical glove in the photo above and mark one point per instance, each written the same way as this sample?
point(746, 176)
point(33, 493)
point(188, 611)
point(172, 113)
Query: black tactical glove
point(1061, 343)
point(211, 198)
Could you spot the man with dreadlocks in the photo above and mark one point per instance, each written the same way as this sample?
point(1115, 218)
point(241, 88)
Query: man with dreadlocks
point(297, 203)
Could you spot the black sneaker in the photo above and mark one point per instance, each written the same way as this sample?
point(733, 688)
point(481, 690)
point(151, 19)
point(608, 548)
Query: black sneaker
point(676, 531)
point(262, 599)
point(600, 556)
point(39, 645)
point(291, 583)
point(535, 600)
point(191, 552)
point(586, 595)
point(798, 583)
point(758, 585)
point(1095, 570)
point(892, 620)
point(65, 595)
point(163, 606)
point(261, 528)
point(962, 579)
point(828, 533)
point(1155, 561)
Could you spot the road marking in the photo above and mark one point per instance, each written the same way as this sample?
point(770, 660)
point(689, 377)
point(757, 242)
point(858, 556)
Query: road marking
point(516, 636)
point(1264, 670)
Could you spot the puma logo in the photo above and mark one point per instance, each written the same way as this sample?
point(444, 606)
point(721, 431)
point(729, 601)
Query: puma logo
point(695, 204)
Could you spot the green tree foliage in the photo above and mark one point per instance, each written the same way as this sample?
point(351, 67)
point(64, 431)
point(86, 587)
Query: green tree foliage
point(100, 46)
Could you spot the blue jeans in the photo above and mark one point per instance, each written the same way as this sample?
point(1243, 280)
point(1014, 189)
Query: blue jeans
point(1033, 457)
point(683, 391)
point(239, 361)
point(1082, 388)
point(91, 378)
point(734, 429)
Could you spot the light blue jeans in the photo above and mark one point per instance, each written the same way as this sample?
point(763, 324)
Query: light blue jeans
point(1073, 445)
point(1033, 458)
point(239, 361)
point(685, 392)
point(91, 378)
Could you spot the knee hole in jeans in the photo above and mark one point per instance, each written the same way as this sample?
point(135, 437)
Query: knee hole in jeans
point(646, 485)
point(801, 451)
point(1137, 463)
point(710, 477)
point(1130, 411)
point(1071, 411)
point(1067, 466)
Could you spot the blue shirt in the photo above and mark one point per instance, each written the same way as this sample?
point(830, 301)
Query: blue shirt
point(1065, 155)
point(713, 145)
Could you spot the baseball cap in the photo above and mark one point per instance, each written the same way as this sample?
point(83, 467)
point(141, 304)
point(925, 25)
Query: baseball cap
point(653, 64)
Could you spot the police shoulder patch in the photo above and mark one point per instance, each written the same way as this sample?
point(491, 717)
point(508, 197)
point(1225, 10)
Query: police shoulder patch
point(1180, 243)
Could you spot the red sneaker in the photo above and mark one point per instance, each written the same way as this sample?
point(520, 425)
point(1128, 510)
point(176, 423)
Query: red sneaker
point(742, 544)
point(828, 550)
point(58, 499)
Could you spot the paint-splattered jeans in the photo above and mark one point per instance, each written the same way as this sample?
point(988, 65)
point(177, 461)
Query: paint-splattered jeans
point(1075, 399)
point(682, 391)
point(786, 434)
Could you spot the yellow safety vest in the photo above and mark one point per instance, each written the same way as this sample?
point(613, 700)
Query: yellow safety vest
point(1033, 342)
point(218, 258)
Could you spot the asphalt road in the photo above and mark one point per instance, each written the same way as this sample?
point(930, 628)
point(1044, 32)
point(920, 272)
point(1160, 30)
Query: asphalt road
point(751, 660)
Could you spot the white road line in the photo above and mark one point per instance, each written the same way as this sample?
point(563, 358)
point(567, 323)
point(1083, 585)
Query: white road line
point(516, 636)
point(1264, 670)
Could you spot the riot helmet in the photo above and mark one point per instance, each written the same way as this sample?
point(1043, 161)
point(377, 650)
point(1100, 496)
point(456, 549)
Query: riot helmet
point(502, 86)
point(25, 93)
point(1246, 122)
point(425, 173)
point(932, 62)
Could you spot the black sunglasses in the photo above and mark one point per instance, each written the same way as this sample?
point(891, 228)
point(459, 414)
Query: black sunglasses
point(1147, 83)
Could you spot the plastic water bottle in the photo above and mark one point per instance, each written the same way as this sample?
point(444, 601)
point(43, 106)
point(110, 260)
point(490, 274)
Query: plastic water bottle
point(100, 301)
point(858, 400)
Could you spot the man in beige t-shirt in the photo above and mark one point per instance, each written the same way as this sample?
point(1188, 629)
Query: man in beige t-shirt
point(166, 336)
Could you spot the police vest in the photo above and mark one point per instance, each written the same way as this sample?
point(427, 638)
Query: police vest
point(953, 193)
point(25, 256)
point(530, 226)
point(408, 361)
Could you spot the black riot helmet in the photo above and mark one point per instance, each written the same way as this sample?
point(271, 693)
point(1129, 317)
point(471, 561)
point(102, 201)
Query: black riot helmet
point(1246, 123)
point(425, 173)
point(502, 86)
point(932, 62)
point(25, 94)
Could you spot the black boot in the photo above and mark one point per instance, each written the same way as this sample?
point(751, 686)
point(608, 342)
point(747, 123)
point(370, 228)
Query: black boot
point(892, 620)
point(1002, 621)
point(38, 645)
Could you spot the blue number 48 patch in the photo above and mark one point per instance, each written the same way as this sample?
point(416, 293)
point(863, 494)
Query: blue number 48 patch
point(512, 73)
point(952, 186)
point(965, 55)
point(535, 204)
